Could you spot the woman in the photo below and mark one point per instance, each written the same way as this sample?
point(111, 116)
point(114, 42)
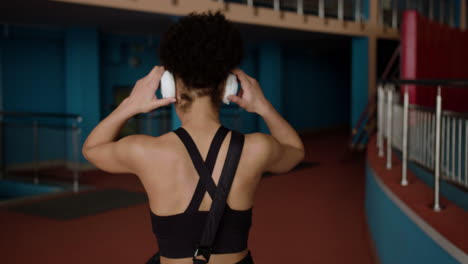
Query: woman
point(200, 50)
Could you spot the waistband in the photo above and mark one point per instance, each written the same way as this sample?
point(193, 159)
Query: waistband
point(247, 259)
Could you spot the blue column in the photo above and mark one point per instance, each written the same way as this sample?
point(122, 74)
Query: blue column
point(82, 79)
point(365, 9)
point(175, 121)
point(359, 77)
point(270, 76)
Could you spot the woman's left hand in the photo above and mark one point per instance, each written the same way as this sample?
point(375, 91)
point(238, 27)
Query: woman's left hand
point(143, 98)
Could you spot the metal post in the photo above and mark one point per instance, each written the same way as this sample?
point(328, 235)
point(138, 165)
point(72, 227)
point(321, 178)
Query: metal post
point(250, 3)
point(380, 121)
point(432, 139)
point(389, 126)
point(431, 9)
point(437, 151)
point(340, 11)
point(321, 8)
point(276, 5)
point(441, 12)
point(447, 146)
point(453, 125)
point(394, 13)
point(300, 7)
point(35, 152)
point(466, 153)
point(404, 180)
point(459, 149)
point(423, 138)
point(443, 143)
point(357, 11)
point(76, 131)
point(451, 15)
point(419, 135)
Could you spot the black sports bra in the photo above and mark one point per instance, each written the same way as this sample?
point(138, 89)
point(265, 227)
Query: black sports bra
point(177, 235)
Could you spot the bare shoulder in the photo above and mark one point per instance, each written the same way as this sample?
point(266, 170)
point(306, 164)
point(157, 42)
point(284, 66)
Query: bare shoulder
point(258, 146)
point(150, 149)
point(259, 142)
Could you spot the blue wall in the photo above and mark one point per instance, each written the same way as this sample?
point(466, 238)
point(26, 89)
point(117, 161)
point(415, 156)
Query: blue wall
point(116, 69)
point(316, 86)
point(32, 81)
point(396, 237)
point(82, 82)
point(360, 77)
point(77, 69)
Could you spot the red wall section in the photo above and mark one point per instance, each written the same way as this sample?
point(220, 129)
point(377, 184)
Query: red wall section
point(434, 51)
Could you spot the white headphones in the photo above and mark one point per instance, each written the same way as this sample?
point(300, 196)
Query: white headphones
point(168, 86)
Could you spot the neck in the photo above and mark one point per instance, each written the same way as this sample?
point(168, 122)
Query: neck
point(200, 115)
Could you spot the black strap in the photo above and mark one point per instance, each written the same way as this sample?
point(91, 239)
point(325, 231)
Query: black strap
point(218, 205)
point(215, 147)
point(204, 169)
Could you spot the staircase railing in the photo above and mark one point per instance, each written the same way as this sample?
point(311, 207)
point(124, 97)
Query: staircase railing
point(434, 138)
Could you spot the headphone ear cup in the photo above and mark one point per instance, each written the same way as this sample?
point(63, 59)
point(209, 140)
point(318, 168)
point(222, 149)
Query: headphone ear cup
point(231, 87)
point(167, 85)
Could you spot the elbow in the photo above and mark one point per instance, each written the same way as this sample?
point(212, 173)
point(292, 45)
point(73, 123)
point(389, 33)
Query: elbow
point(295, 159)
point(85, 152)
point(301, 155)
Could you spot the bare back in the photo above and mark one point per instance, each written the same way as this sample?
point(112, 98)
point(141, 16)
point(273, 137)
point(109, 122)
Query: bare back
point(170, 178)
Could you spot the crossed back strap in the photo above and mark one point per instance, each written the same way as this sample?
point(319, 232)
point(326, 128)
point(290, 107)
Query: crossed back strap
point(218, 193)
point(203, 168)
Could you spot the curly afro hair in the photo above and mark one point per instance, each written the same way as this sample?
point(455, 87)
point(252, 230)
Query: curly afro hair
point(202, 49)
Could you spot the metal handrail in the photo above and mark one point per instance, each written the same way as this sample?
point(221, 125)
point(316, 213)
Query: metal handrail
point(42, 114)
point(306, 7)
point(388, 15)
point(34, 123)
point(429, 82)
point(433, 129)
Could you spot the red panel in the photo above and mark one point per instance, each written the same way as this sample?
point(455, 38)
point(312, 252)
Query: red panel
point(408, 56)
point(433, 51)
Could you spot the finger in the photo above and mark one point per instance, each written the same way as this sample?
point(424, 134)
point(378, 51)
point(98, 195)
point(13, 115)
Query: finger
point(242, 77)
point(241, 93)
point(156, 73)
point(236, 99)
point(163, 102)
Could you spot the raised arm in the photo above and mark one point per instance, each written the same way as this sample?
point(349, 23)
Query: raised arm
point(122, 156)
point(284, 147)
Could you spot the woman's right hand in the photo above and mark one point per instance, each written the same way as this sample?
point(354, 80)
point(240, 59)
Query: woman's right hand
point(251, 96)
